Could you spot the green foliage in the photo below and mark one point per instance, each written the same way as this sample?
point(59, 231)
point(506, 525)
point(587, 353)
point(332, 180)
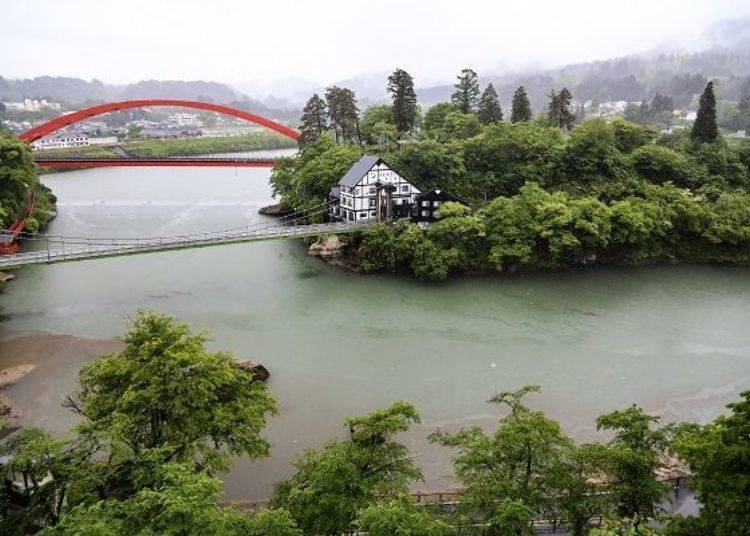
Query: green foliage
point(503, 157)
point(314, 120)
point(331, 484)
point(181, 502)
point(539, 229)
point(270, 522)
point(560, 114)
point(18, 181)
point(400, 517)
point(719, 456)
point(461, 126)
point(629, 136)
point(508, 476)
point(704, 128)
point(521, 109)
point(401, 88)
point(489, 110)
point(166, 397)
point(343, 114)
point(661, 164)
point(303, 181)
point(632, 456)
point(430, 163)
point(434, 119)
point(592, 150)
point(466, 96)
point(375, 114)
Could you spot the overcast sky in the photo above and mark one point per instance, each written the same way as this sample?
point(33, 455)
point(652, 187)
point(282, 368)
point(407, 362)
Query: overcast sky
point(328, 40)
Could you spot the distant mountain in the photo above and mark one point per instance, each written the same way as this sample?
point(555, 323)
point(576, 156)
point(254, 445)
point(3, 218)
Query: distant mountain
point(76, 93)
point(288, 89)
point(57, 88)
point(177, 89)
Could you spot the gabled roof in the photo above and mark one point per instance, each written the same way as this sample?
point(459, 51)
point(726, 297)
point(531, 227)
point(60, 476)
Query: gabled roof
point(359, 170)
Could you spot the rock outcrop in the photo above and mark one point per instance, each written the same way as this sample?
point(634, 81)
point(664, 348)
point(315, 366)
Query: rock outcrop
point(253, 367)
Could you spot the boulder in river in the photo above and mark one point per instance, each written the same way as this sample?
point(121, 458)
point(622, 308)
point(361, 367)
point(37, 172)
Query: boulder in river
point(327, 247)
point(253, 367)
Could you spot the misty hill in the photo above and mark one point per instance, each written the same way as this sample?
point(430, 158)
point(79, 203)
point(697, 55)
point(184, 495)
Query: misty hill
point(630, 78)
point(76, 92)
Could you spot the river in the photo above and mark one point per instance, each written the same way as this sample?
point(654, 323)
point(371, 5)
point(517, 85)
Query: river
point(673, 338)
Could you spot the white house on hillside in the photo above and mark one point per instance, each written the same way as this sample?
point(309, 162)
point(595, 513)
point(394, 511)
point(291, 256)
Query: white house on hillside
point(355, 197)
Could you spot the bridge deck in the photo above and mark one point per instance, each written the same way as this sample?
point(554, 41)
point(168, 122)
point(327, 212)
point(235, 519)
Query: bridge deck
point(96, 249)
point(182, 161)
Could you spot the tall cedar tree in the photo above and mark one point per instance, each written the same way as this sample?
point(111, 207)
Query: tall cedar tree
point(704, 128)
point(521, 109)
point(401, 88)
point(559, 109)
point(314, 120)
point(489, 110)
point(343, 114)
point(466, 96)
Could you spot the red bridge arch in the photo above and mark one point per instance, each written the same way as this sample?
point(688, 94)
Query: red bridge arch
point(65, 120)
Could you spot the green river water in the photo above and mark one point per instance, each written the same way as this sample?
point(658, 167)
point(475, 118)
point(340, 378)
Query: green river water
point(674, 339)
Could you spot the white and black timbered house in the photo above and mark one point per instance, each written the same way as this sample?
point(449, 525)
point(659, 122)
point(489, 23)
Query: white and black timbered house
point(357, 192)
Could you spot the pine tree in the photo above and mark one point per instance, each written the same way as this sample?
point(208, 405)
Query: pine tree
point(489, 110)
point(704, 128)
point(559, 109)
point(521, 109)
point(314, 120)
point(343, 114)
point(466, 96)
point(401, 88)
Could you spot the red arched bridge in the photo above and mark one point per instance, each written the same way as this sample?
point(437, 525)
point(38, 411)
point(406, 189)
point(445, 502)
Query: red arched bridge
point(63, 121)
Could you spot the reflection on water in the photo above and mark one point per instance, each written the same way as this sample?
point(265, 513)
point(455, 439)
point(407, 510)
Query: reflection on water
point(673, 339)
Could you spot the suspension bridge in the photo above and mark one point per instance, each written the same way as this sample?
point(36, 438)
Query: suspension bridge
point(51, 249)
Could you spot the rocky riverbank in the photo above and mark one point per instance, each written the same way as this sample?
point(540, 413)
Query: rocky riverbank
point(335, 250)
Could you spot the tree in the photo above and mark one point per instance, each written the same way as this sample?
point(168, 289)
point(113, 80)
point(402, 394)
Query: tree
point(401, 88)
point(489, 110)
point(719, 457)
point(401, 517)
point(343, 114)
point(461, 126)
point(521, 109)
point(466, 96)
point(333, 483)
point(377, 113)
point(314, 120)
point(509, 474)
point(165, 398)
point(559, 109)
point(181, 502)
point(632, 457)
point(704, 128)
point(434, 119)
point(53, 473)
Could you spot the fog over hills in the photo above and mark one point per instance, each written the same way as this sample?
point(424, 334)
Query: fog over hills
point(722, 51)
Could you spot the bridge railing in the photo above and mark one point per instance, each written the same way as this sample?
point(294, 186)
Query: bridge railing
point(81, 248)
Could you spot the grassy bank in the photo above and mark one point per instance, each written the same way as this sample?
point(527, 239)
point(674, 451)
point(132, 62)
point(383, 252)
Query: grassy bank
point(181, 147)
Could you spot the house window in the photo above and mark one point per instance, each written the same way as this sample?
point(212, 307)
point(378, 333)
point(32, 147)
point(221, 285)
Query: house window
point(372, 202)
point(372, 213)
point(426, 213)
point(404, 188)
point(425, 203)
point(362, 215)
point(436, 203)
point(372, 190)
